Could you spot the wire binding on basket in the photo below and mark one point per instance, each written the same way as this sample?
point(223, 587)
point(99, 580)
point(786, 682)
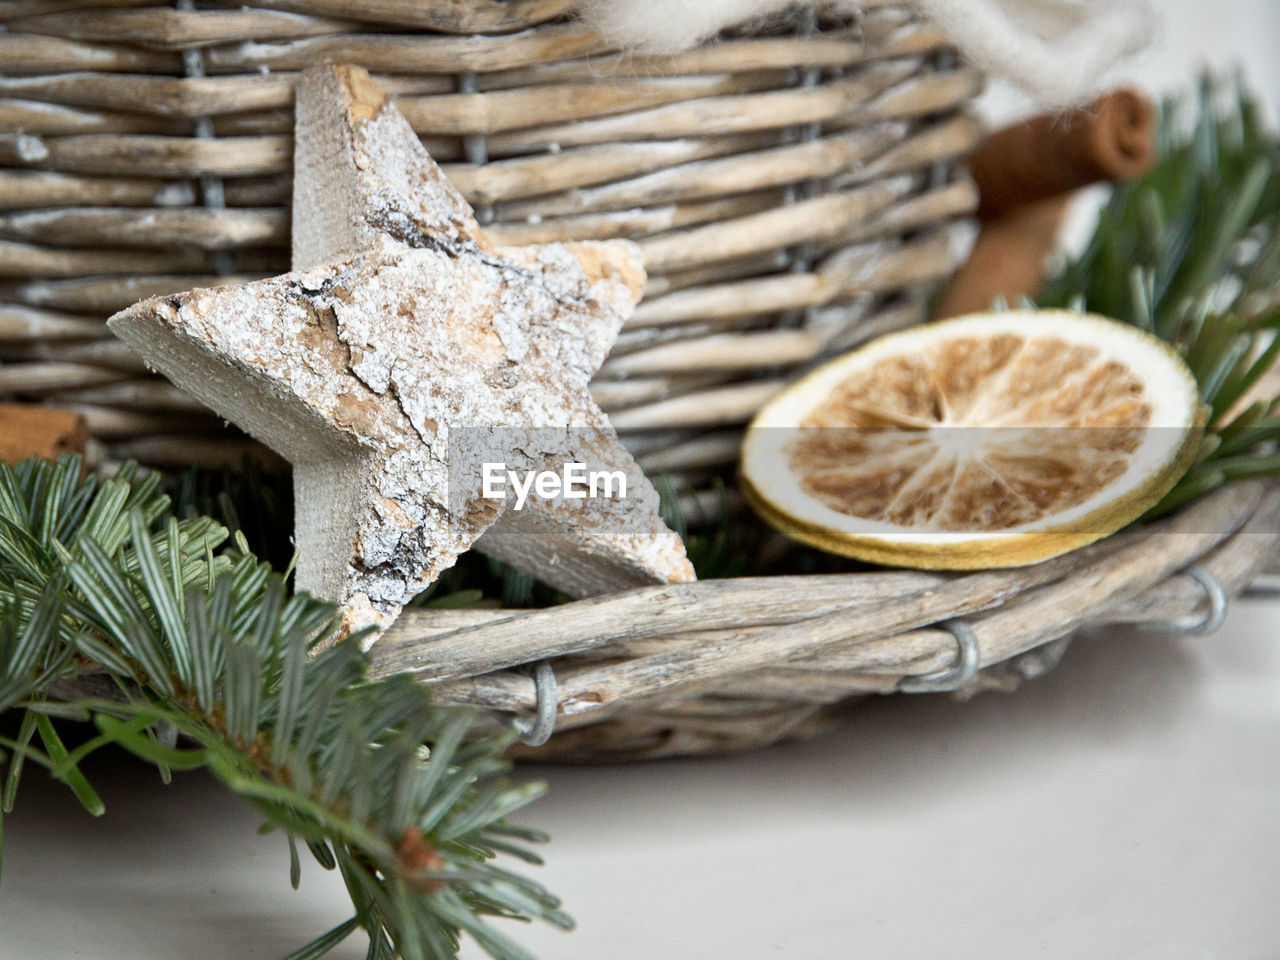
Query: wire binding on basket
point(1217, 612)
point(952, 678)
point(1268, 584)
point(536, 732)
point(474, 147)
point(211, 190)
point(801, 258)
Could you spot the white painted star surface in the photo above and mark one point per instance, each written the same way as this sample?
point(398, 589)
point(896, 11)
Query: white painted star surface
point(402, 353)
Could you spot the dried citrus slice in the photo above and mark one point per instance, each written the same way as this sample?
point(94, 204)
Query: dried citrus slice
point(996, 439)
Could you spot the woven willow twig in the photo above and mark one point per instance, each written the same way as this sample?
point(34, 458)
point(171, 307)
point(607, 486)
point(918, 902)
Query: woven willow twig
point(792, 192)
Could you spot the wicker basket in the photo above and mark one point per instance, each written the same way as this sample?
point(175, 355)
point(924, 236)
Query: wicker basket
point(794, 192)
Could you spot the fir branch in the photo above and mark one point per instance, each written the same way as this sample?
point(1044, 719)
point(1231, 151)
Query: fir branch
point(96, 576)
point(249, 500)
point(1191, 253)
point(719, 548)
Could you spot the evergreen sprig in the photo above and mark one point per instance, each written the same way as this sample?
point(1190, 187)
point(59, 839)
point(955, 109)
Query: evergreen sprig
point(198, 657)
point(1191, 253)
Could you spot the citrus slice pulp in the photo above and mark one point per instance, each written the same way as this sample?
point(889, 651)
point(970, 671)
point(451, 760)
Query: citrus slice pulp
point(997, 439)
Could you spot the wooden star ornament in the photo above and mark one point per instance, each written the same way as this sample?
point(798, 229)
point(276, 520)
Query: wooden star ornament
point(403, 353)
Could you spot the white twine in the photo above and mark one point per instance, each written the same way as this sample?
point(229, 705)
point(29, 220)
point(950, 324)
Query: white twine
point(1057, 50)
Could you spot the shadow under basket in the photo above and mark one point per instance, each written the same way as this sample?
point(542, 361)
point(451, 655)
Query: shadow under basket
point(795, 191)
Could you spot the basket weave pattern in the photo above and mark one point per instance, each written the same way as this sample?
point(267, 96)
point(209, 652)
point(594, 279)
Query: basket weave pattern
point(794, 192)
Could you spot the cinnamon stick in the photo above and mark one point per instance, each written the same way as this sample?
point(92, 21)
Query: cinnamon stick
point(1007, 260)
point(27, 431)
point(1112, 139)
point(1025, 176)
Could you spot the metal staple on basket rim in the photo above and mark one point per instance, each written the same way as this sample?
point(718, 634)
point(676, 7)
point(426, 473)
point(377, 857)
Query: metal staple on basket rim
point(536, 732)
point(1213, 617)
point(954, 677)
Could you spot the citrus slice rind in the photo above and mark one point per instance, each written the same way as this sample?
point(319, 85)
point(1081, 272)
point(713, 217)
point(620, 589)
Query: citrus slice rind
point(991, 440)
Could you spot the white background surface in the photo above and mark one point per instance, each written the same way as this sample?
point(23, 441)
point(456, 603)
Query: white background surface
point(1127, 807)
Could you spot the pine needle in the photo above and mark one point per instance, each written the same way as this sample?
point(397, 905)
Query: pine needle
point(1191, 252)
